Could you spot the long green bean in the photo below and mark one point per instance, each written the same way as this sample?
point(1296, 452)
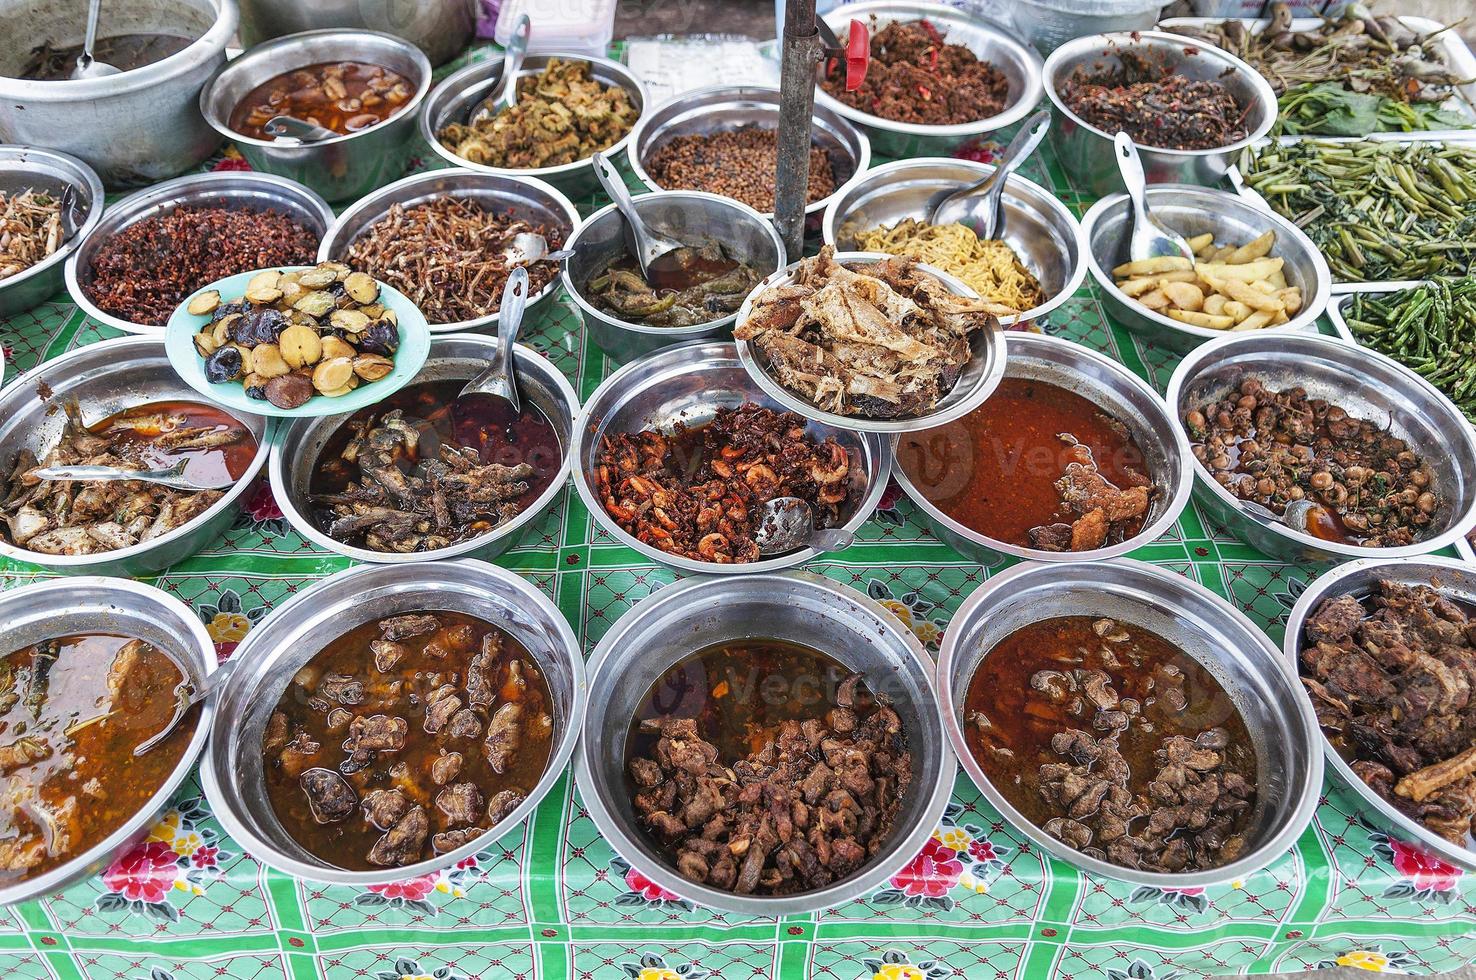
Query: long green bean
point(1430, 328)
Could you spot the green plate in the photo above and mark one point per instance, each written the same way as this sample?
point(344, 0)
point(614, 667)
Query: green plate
point(179, 344)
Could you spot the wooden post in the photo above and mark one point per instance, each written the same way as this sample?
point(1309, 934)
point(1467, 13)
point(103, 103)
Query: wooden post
point(800, 53)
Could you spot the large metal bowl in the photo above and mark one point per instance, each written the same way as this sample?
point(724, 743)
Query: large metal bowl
point(456, 95)
point(24, 168)
point(523, 197)
point(1457, 579)
point(687, 385)
point(975, 382)
point(345, 166)
point(694, 218)
point(107, 378)
point(725, 107)
point(246, 191)
point(1120, 394)
point(62, 607)
point(440, 28)
point(1262, 685)
point(1042, 231)
point(1365, 383)
point(460, 357)
point(1086, 152)
point(1191, 211)
point(299, 628)
point(795, 606)
point(1019, 63)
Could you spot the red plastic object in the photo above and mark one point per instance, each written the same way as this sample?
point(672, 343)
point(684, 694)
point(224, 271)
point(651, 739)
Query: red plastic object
point(858, 55)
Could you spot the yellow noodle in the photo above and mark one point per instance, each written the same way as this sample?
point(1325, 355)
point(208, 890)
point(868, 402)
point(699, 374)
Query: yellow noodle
point(989, 266)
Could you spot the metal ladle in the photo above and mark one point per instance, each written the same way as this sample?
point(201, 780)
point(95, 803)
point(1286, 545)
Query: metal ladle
point(87, 66)
point(528, 247)
point(505, 95)
point(1293, 516)
point(498, 381)
point(1151, 238)
point(646, 245)
point(187, 694)
point(298, 129)
point(169, 476)
point(788, 523)
point(979, 205)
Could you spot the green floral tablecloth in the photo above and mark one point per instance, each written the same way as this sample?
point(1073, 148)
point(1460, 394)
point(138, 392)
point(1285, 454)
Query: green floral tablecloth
point(550, 899)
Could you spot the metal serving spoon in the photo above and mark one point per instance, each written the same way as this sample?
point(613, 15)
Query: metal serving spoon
point(87, 66)
point(1294, 516)
point(187, 694)
point(505, 95)
point(298, 129)
point(498, 381)
point(646, 245)
point(979, 205)
point(172, 476)
point(1151, 238)
point(787, 523)
point(71, 215)
point(528, 247)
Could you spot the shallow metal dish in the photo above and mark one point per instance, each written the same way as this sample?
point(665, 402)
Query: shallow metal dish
point(1042, 231)
point(796, 606)
point(61, 607)
point(524, 197)
point(299, 628)
point(1086, 152)
point(107, 378)
point(1365, 383)
point(24, 168)
point(1192, 211)
point(726, 107)
point(975, 383)
point(692, 217)
point(253, 191)
point(688, 384)
point(456, 95)
point(1019, 63)
point(1262, 685)
point(1119, 393)
point(298, 446)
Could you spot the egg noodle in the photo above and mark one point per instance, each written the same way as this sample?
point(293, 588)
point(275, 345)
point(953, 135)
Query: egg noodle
point(988, 265)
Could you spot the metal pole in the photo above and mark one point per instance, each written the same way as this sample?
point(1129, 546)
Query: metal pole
point(801, 52)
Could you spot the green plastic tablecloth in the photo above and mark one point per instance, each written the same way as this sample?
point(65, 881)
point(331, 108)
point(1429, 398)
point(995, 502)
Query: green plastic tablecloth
point(550, 899)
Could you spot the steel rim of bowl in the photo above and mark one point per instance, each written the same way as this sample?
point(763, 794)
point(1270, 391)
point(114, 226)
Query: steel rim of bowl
point(268, 854)
point(89, 183)
point(1291, 646)
point(162, 197)
point(903, 847)
point(330, 248)
point(1278, 844)
point(1460, 523)
point(67, 590)
point(300, 522)
point(1150, 532)
point(628, 81)
point(229, 498)
point(984, 384)
point(1305, 317)
point(585, 425)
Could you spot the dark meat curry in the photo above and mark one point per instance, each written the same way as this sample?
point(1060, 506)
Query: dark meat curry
point(687, 286)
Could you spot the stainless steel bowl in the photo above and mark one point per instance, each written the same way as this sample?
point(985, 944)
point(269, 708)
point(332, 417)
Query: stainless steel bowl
point(693, 217)
point(1120, 394)
point(687, 385)
point(298, 446)
point(975, 383)
point(523, 197)
point(134, 128)
point(1086, 152)
point(61, 607)
point(440, 28)
point(456, 95)
point(344, 167)
point(1457, 579)
point(1042, 231)
point(991, 43)
point(1192, 211)
point(1263, 687)
point(795, 606)
point(247, 191)
point(725, 107)
point(24, 168)
point(299, 628)
point(107, 378)
point(1365, 383)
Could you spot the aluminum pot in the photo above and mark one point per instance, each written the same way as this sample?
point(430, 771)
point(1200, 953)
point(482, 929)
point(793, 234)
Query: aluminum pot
point(1086, 152)
point(1262, 686)
point(693, 217)
point(1120, 394)
point(795, 606)
point(300, 627)
point(440, 28)
point(134, 128)
point(344, 167)
point(1042, 231)
point(298, 447)
point(25, 168)
point(1365, 383)
point(525, 197)
point(687, 385)
point(107, 378)
point(91, 604)
point(248, 191)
